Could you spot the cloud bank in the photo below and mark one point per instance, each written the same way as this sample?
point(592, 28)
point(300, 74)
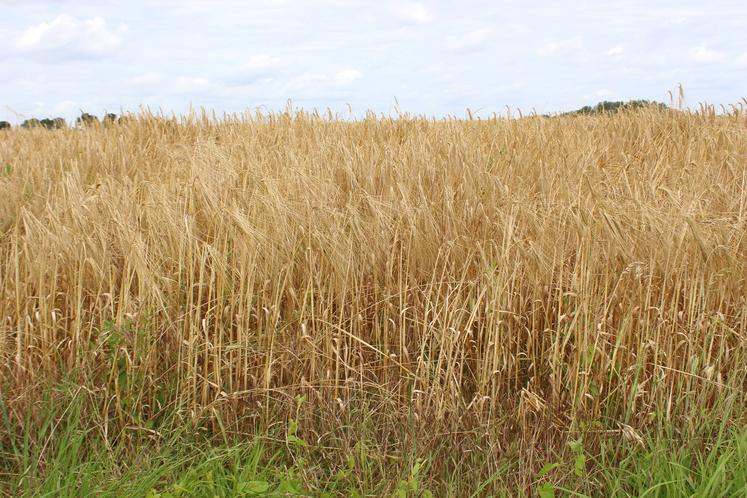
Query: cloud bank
point(434, 57)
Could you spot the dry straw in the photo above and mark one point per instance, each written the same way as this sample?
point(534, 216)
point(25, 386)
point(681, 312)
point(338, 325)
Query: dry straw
point(551, 269)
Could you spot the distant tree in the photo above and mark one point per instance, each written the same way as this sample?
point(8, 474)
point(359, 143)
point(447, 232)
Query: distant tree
point(86, 119)
point(110, 118)
point(4, 125)
point(53, 124)
point(31, 123)
point(615, 106)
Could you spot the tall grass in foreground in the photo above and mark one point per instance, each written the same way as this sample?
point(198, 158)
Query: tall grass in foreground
point(473, 290)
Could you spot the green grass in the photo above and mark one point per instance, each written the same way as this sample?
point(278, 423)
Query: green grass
point(698, 468)
point(55, 451)
point(52, 452)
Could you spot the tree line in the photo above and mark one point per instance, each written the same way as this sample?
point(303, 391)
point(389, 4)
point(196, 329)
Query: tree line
point(608, 106)
point(85, 119)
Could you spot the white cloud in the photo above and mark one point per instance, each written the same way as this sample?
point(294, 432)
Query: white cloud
point(146, 78)
point(305, 85)
point(472, 41)
point(615, 51)
point(549, 49)
point(261, 61)
point(207, 7)
point(71, 36)
point(320, 85)
point(259, 68)
point(702, 53)
point(414, 13)
point(66, 107)
point(572, 50)
point(190, 84)
point(347, 76)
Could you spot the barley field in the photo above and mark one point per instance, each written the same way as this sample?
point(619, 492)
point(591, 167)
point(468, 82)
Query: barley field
point(387, 306)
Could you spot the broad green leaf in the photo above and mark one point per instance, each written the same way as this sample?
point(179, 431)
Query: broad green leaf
point(577, 446)
point(253, 487)
point(580, 465)
point(546, 490)
point(546, 469)
point(295, 440)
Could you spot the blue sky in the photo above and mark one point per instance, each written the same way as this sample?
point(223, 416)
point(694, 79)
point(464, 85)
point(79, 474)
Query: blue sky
point(435, 57)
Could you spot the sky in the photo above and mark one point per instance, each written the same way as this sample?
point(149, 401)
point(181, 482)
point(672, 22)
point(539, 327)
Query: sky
point(435, 58)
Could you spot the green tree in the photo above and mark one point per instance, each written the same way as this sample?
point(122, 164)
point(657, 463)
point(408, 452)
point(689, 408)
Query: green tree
point(53, 124)
point(4, 125)
point(86, 119)
point(615, 106)
point(31, 123)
